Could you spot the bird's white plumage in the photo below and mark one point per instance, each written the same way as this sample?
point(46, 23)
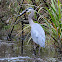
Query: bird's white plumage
point(38, 34)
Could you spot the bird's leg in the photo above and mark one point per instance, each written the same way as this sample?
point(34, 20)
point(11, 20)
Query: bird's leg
point(34, 49)
point(39, 50)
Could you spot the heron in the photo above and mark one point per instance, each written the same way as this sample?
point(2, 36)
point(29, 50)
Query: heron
point(37, 32)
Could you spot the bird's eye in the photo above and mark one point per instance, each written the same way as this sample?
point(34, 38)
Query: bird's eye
point(26, 9)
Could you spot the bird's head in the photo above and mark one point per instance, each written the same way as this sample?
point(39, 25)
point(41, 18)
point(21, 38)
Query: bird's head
point(30, 9)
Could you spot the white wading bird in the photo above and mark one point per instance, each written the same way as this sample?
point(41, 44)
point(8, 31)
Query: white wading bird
point(37, 32)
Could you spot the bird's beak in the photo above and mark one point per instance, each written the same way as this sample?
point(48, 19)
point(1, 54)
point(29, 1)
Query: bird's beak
point(23, 13)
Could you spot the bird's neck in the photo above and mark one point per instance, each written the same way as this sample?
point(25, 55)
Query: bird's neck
point(30, 18)
point(30, 21)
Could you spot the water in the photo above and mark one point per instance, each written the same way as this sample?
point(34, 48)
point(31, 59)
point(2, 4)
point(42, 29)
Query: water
point(10, 51)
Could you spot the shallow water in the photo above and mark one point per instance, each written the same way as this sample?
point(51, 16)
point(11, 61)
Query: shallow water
point(10, 51)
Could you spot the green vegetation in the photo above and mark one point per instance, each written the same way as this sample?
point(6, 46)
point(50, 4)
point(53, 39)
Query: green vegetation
point(54, 23)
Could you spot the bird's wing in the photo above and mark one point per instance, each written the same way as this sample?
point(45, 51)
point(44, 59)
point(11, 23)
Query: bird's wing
point(38, 35)
point(38, 38)
point(38, 29)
